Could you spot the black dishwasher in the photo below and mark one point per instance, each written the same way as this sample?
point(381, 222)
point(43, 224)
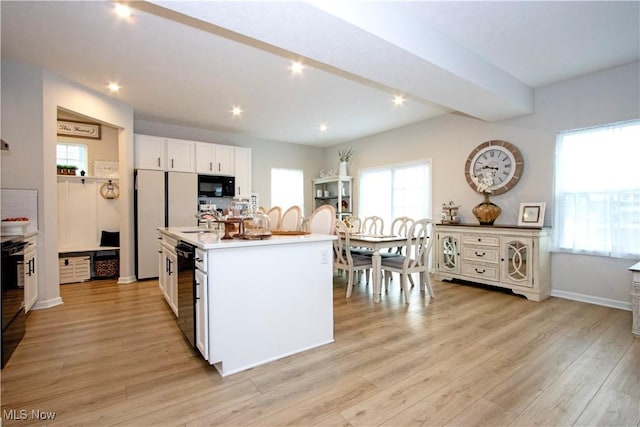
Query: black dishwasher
point(186, 290)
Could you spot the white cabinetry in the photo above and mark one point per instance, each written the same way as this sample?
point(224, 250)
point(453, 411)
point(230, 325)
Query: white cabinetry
point(336, 191)
point(30, 273)
point(509, 257)
point(214, 159)
point(165, 154)
point(242, 162)
point(168, 275)
point(202, 306)
point(149, 152)
point(181, 155)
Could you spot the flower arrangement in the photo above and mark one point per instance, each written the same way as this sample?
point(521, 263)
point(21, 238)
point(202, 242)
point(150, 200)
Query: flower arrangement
point(483, 182)
point(345, 155)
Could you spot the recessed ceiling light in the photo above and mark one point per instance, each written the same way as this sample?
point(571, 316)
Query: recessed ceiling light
point(114, 87)
point(123, 11)
point(236, 111)
point(398, 100)
point(323, 127)
point(296, 67)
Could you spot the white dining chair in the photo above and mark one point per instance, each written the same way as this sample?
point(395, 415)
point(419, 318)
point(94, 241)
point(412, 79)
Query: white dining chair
point(399, 227)
point(354, 223)
point(274, 215)
point(344, 260)
point(416, 259)
point(373, 225)
point(322, 220)
point(291, 219)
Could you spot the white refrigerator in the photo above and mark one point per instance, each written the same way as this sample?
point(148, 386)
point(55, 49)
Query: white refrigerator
point(161, 199)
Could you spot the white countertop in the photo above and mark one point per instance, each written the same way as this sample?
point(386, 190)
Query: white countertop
point(206, 239)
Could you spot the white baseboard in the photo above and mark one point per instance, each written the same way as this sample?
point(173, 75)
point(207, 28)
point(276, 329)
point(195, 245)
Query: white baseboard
point(39, 305)
point(128, 279)
point(622, 305)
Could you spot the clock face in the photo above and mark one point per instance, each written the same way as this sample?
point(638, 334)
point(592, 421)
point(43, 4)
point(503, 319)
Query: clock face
point(498, 162)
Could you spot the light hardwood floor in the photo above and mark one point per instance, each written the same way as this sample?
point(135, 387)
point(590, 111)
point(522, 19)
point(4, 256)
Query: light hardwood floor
point(113, 355)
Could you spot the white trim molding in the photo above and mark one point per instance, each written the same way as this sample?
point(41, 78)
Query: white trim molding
point(622, 305)
point(128, 279)
point(39, 305)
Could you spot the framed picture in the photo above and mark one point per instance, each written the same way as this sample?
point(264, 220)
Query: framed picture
point(531, 214)
point(79, 129)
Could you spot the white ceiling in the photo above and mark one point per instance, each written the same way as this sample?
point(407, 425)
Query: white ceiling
point(188, 63)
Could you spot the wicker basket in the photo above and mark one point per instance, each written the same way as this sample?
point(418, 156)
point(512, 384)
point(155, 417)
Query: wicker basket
point(106, 267)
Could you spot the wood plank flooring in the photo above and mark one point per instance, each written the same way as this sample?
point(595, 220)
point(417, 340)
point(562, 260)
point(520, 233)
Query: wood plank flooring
point(112, 355)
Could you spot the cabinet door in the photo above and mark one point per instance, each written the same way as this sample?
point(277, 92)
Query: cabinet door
point(180, 155)
point(202, 314)
point(243, 171)
point(224, 164)
point(30, 279)
point(161, 264)
point(171, 279)
point(448, 250)
point(516, 259)
point(149, 152)
point(205, 158)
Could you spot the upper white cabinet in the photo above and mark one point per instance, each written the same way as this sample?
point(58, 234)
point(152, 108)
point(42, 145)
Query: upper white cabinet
point(181, 155)
point(165, 154)
point(214, 159)
point(150, 152)
point(243, 171)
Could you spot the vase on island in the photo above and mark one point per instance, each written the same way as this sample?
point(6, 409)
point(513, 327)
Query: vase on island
point(343, 169)
point(487, 211)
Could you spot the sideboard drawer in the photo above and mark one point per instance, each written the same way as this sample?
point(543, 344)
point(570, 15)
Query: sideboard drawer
point(480, 239)
point(481, 253)
point(487, 272)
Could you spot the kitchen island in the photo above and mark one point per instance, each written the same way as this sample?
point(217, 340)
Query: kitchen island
point(256, 300)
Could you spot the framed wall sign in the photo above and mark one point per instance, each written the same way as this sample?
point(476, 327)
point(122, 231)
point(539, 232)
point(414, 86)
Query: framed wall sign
point(531, 214)
point(79, 129)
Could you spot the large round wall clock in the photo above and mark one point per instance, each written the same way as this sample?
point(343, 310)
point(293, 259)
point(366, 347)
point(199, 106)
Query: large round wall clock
point(498, 161)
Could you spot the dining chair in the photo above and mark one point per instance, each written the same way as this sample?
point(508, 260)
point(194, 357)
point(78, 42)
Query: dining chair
point(416, 259)
point(373, 225)
point(344, 260)
point(274, 215)
point(291, 219)
point(354, 224)
point(322, 220)
point(399, 227)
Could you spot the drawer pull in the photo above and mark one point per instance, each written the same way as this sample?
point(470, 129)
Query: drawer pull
point(480, 254)
point(479, 240)
point(480, 271)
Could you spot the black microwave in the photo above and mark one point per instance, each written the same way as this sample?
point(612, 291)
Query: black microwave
point(216, 186)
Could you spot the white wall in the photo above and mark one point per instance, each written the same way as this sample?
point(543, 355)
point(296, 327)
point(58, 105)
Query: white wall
point(600, 98)
point(264, 155)
point(30, 101)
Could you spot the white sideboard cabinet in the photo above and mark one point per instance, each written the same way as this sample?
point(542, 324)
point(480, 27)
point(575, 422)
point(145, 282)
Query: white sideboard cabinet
point(511, 257)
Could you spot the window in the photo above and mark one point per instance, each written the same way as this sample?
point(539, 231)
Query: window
point(597, 191)
point(397, 190)
point(72, 155)
point(287, 188)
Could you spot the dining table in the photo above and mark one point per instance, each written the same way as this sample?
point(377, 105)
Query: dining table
point(376, 242)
